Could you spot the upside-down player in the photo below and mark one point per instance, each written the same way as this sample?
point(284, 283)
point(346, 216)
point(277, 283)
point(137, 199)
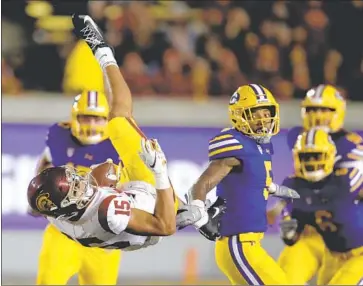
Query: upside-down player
point(80, 143)
point(129, 217)
point(124, 134)
point(122, 128)
point(240, 167)
point(331, 202)
point(322, 107)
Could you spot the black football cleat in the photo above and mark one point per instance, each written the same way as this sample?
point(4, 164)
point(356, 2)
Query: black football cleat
point(86, 29)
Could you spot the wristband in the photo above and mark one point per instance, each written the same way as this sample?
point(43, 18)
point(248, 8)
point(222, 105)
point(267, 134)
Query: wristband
point(162, 181)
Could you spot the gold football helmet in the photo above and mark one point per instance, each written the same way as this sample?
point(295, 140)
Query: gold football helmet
point(87, 106)
point(314, 155)
point(323, 106)
point(244, 115)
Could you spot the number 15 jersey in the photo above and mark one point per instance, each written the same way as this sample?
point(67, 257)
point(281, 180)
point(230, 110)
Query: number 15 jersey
point(245, 187)
point(105, 220)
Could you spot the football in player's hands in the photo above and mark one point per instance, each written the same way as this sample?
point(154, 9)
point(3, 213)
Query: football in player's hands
point(105, 174)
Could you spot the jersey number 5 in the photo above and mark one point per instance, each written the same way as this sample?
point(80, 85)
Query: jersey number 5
point(268, 168)
point(122, 207)
point(324, 221)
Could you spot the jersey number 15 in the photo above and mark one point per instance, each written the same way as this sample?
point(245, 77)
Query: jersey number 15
point(122, 207)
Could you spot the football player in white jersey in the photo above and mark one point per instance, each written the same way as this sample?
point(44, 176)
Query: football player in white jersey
point(132, 217)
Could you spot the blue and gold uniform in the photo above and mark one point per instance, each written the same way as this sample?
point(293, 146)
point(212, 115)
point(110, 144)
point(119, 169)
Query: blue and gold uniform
point(239, 253)
point(255, 174)
point(332, 205)
point(309, 250)
point(322, 107)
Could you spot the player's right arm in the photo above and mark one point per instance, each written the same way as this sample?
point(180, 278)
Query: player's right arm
point(162, 222)
point(116, 215)
point(223, 152)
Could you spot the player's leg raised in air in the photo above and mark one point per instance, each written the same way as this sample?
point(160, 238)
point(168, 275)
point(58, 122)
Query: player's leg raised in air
point(124, 133)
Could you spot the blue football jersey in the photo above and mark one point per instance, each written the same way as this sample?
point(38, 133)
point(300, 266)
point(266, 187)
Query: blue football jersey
point(245, 187)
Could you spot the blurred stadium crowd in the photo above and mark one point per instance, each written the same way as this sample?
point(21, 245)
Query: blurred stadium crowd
point(188, 48)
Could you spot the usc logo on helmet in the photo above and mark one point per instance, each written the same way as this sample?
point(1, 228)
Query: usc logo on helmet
point(44, 204)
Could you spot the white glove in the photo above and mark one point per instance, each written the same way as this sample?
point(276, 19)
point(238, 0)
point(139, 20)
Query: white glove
point(193, 214)
point(282, 191)
point(154, 158)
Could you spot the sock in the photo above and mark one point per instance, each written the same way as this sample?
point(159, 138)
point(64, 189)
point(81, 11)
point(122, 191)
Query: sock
point(105, 57)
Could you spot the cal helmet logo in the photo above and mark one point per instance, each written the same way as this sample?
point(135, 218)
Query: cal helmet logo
point(234, 98)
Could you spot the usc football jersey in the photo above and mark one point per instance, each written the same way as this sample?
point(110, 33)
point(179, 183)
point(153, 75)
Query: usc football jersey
point(105, 220)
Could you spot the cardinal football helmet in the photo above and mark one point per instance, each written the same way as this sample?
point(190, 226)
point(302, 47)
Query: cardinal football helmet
point(60, 192)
